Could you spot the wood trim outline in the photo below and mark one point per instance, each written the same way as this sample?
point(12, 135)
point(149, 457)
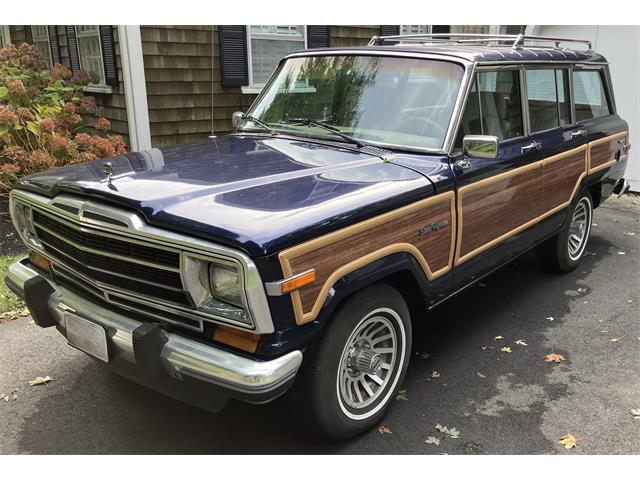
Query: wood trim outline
point(500, 177)
point(293, 252)
point(600, 141)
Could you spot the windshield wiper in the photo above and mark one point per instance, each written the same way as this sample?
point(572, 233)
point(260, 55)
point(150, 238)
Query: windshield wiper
point(326, 126)
point(260, 123)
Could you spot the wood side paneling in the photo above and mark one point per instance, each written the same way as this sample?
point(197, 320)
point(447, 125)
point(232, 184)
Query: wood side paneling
point(559, 179)
point(603, 152)
point(338, 253)
point(496, 208)
point(492, 209)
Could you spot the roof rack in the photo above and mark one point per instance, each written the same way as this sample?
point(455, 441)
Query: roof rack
point(516, 41)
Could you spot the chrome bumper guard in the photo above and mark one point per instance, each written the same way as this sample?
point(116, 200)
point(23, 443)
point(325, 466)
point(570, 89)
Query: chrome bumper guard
point(179, 356)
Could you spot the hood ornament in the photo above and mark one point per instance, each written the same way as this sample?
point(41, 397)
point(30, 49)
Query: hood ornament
point(107, 169)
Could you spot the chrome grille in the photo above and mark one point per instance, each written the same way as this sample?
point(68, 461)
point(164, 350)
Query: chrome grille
point(115, 265)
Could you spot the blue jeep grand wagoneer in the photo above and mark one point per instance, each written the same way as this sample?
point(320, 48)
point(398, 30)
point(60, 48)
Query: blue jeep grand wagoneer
point(363, 187)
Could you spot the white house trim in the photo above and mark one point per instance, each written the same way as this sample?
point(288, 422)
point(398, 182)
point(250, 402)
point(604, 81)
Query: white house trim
point(135, 87)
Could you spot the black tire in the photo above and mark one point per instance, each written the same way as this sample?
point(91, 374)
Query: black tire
point(562, 253)
point(317, 397)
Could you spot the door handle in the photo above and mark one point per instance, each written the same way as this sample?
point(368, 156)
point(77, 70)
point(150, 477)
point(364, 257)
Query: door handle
point(578, 133)
point(531, 147)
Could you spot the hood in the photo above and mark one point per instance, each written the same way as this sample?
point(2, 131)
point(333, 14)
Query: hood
point(257, 193)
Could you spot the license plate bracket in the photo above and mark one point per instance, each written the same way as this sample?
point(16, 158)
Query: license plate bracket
point(87, 336)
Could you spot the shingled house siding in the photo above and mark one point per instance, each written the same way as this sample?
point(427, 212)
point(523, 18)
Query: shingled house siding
point(113, 104)
point(352, 35)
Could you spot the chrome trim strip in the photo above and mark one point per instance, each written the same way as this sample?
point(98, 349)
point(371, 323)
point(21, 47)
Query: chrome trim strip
point(179, 355)
point(258, 307)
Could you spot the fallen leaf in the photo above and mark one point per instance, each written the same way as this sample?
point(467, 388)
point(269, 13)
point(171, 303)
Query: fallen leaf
point(636, 413)
point(482, 285)
point(615, 339)
point(594, 224)
point(631, 234)
point(432, 441)
point(12, 395)
point(486, 349)
point(569, 441)
point(551, 319)
point(31, 322)
point(499, 337)
point(402, 395)
point(582, 290)
point(424, 355)
point(621, 253)
point(506, 349)
point(435, 374)
point(481, 375)
point(522, 343)
point(449, 431)
point(554, 357)
point(40, 380)
point(588, 252)
point(382, 430)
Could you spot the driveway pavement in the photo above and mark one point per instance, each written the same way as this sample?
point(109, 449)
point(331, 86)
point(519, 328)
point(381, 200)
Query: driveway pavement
point(501, 403)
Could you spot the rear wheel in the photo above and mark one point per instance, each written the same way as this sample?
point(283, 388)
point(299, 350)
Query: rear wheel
point(358, 366)
point(562, 252)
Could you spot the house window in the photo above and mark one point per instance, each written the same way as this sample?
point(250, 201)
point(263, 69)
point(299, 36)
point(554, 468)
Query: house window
point(5, 39)
point(40, 35)
point(90, 51)
point(415, 29)
point(267, 45)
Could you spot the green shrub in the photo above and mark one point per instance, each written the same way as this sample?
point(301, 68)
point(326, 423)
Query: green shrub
point(41, 117)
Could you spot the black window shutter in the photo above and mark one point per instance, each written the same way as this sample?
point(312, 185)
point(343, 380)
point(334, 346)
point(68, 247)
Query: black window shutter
point(72, 43)
point(386, 30)
point(28, 35)
point(233, 55)
point(109, 55)
point(54, 44)
point(441, 29)
point(318, 36)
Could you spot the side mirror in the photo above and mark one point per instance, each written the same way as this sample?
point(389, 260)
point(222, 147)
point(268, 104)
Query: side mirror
point(236, 118)
point(480, 146)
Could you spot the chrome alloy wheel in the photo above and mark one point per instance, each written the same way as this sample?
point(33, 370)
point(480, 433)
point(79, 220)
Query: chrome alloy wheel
point(370, 364)
point(579, 228)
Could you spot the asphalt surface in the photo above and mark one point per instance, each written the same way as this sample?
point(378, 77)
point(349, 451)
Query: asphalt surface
point(501, 403)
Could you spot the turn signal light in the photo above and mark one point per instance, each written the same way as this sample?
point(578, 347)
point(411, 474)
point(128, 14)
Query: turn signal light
point(39, 261)
point(298, 281)
point(246, 341)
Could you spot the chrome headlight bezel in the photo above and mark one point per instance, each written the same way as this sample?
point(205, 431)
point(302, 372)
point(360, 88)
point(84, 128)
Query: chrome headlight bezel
point(196, 274)
point(22, 219)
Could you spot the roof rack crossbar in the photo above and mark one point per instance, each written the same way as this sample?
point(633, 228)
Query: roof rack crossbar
point(516, 41)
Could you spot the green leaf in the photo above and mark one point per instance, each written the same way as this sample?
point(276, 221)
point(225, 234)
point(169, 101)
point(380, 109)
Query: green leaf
point(432, 441)
point(33, 128)
point(4, 91)
point(3, 129)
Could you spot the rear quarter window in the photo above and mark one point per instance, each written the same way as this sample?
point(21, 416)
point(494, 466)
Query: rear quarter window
point(589, 95)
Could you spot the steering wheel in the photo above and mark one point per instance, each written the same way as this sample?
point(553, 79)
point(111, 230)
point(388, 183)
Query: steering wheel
point(418, 125)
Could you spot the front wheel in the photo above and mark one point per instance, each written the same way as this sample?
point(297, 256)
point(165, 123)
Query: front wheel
point(562, 252)
point(359, 364)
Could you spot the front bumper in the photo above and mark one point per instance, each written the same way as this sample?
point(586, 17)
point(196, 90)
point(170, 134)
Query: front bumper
point(180, 367)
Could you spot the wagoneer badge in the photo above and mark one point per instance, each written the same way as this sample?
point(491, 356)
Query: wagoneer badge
point(434, 227)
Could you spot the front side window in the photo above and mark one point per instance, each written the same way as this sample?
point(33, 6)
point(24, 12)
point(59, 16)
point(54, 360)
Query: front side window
point(493, 107)
point(548, 98)
point(401, 102)
point(589, 94)
point(90, 51)
point(269, 43)
point(40, 35)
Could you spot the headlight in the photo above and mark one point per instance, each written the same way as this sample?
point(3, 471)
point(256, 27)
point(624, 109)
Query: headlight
point(225, 284)
point(23, 221)
point(217, 288)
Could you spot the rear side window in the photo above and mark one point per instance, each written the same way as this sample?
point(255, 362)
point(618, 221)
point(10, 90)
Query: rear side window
point(493, 107)
point(548, 98)
point(589, 94)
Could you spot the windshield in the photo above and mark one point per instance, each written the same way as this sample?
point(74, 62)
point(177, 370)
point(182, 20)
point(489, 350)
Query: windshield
point(391, 101)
